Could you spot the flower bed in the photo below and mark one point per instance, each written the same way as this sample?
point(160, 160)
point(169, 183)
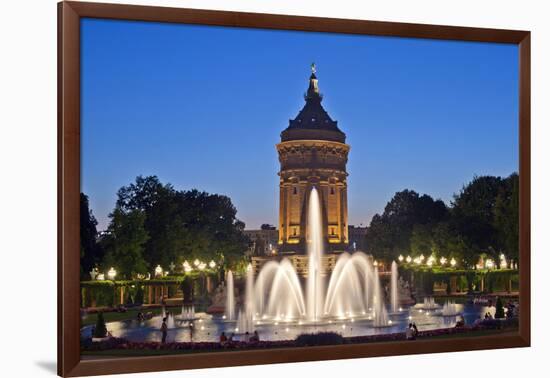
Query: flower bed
point(302, 340)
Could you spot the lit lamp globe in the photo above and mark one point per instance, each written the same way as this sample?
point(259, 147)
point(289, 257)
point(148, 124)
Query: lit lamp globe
point(375, 263)
point(111, 274)
point(196, 262)
point(453, 262)
point(158, 270)
point(443, 261)
point(202, 266)
point(409, 259)
point(400, 258)
point(212, 264)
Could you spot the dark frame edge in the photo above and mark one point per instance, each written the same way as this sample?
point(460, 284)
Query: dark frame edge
point(69, 14)
point(525, 186)
point(293, 22)
point(68, 149)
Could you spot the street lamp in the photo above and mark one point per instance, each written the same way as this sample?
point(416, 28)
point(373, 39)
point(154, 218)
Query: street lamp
point(212, 264)
point(375, 263)
point(453, 262)
point(202, 266)
point(409, 259)
point(443, 261)
point(400, 258)
point(196, 262)
point(111, 274)
point(158, 270)
point(93, 273)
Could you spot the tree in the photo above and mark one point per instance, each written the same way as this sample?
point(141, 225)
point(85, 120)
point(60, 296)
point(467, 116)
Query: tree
point(100, 329)
point(499, 309)
point(91, 253)
point(389, 235)
point(125, 243)
point(506, 217)
point(183, 225)
point(473, 214)
point(422, 240)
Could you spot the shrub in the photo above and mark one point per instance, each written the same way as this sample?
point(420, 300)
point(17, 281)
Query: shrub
point(100, 328)
point(138, 299)
point(321, 338)
point(499, 312)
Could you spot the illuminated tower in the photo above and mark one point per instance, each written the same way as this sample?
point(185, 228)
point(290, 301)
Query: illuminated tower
point(313, 152)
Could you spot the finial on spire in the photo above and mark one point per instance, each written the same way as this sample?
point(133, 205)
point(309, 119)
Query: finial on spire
point(313, 89)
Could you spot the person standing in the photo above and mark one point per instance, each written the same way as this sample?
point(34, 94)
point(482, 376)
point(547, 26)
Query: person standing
point(164, 330)
point(415, 330)
point(191, 329)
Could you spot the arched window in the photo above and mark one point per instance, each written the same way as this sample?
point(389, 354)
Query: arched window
point(294, 190)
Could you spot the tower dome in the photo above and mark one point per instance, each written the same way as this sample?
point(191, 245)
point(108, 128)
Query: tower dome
point(313, 153)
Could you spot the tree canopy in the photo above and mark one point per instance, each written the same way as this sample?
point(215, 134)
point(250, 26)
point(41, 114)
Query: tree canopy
point(482, 219)
point(154, 224)
point(91, 252)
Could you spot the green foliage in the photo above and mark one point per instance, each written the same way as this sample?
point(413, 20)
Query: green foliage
point(483, 219)
point(473, 217)
point(91, 253)
point(321, 338)
point(100, 327)
point(506, 217)
point(499, 309)
point(125, 243)
point(139, 294)
point(184, 225)
point(390, 234)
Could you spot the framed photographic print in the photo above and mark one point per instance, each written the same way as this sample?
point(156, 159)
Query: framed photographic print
point(239, 188)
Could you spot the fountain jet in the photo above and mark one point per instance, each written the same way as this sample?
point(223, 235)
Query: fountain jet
point(230, 300)
point(314, 250)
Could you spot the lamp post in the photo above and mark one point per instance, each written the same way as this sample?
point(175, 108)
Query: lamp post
point(453, 262)
point(158, 271)
point(111, 274)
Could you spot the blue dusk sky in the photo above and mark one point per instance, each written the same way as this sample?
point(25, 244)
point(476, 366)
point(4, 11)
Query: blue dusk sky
point(203, 107)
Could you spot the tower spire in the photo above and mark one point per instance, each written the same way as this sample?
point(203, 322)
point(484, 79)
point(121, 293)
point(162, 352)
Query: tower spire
point(313, 89)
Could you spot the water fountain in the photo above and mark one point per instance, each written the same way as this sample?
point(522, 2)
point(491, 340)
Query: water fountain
point(380, 314)
point(450, 309)
point(429, 304)
point(276, 295)
point(393, 287)
point(230, 301)
point(187, 312)
point(314, 298)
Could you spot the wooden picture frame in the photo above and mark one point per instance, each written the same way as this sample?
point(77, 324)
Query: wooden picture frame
point(69, 15)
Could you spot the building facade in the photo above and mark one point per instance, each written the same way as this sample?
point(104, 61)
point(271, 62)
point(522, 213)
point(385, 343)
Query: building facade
point(312, 153)
point(264, 241)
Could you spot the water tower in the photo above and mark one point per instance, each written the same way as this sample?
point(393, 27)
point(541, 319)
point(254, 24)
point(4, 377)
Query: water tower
point(313, 152)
